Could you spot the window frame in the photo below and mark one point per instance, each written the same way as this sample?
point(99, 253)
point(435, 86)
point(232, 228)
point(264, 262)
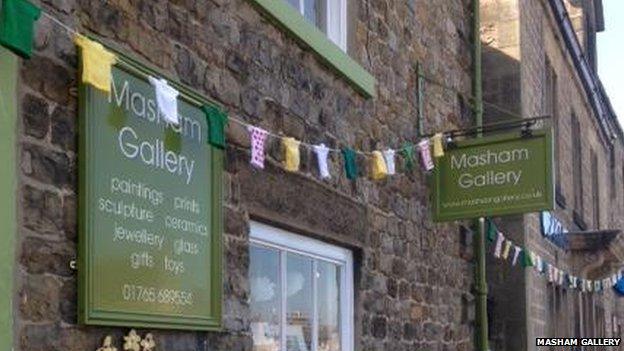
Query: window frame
point(287, 17)
point(9, 71)
point(285, 242)
point(336, 33)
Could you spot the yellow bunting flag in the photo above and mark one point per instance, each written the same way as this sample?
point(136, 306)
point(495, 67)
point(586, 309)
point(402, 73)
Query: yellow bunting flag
point(506, 249)
point(96, 63)
point(438, 149)
point(291, 154)
point(379, 168)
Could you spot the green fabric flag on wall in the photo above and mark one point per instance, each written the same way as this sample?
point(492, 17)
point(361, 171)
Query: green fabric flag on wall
point(350, 163)
point(492, 232)
point(526, 258)
point(17, 20)
point(408, 154)
point(217, 120)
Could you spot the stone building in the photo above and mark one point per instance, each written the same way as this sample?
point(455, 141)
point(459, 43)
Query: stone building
point(341, 73)
point(540, 59)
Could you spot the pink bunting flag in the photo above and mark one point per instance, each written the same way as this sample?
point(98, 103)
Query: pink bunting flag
point(426, 160)
point(258, 138)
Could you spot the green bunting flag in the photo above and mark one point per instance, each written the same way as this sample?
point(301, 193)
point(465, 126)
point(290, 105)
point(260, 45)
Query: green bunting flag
point(17, 19)
point(217, 120)
point(492, 232)
point(408, 154)
point(350, 163)
point(526, 258)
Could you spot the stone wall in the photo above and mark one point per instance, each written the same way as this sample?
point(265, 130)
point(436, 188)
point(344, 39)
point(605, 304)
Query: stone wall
point(413, 278)
point(549, 311)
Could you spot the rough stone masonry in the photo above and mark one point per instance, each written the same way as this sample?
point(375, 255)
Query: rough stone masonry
point(413, 278)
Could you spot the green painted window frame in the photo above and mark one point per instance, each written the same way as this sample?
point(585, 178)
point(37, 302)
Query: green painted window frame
point(8, 180)
point(280, 12)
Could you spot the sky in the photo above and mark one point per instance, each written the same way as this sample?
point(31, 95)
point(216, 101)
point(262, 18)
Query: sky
point(611, 55)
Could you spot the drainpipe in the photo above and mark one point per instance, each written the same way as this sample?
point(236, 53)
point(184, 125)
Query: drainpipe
point(481, 332)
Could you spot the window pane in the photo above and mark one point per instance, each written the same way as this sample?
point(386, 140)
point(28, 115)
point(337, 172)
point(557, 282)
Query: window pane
point(310, 9)
point(295, 4)
point(265, 298)
point(336, 17)
point(328, 278)
point(299, 303)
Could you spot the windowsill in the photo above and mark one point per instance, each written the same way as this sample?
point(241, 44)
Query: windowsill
point(285, 16)
point(578, 220)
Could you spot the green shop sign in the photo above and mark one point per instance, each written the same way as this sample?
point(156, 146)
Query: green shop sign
point(493, 176)
point(150, 209)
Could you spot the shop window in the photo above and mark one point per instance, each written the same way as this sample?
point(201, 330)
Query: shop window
point(301, 293)
point(330, 16)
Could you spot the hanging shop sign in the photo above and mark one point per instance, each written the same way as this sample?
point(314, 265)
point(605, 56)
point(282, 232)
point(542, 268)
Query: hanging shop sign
point(150, 209)
point(493, 176)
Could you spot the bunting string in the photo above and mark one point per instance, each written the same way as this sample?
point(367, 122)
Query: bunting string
point(96, 71)
point(553, 274)
point(17, 19)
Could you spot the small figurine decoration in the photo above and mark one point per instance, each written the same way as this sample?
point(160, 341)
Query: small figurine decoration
point(107, 345)
point(148, 344)
point(132, 342)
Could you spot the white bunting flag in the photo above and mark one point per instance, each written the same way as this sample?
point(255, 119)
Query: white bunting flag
point(322, 152)
point(390, 161)
point(500, 238)
point(166, 99)
point(517, 251)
